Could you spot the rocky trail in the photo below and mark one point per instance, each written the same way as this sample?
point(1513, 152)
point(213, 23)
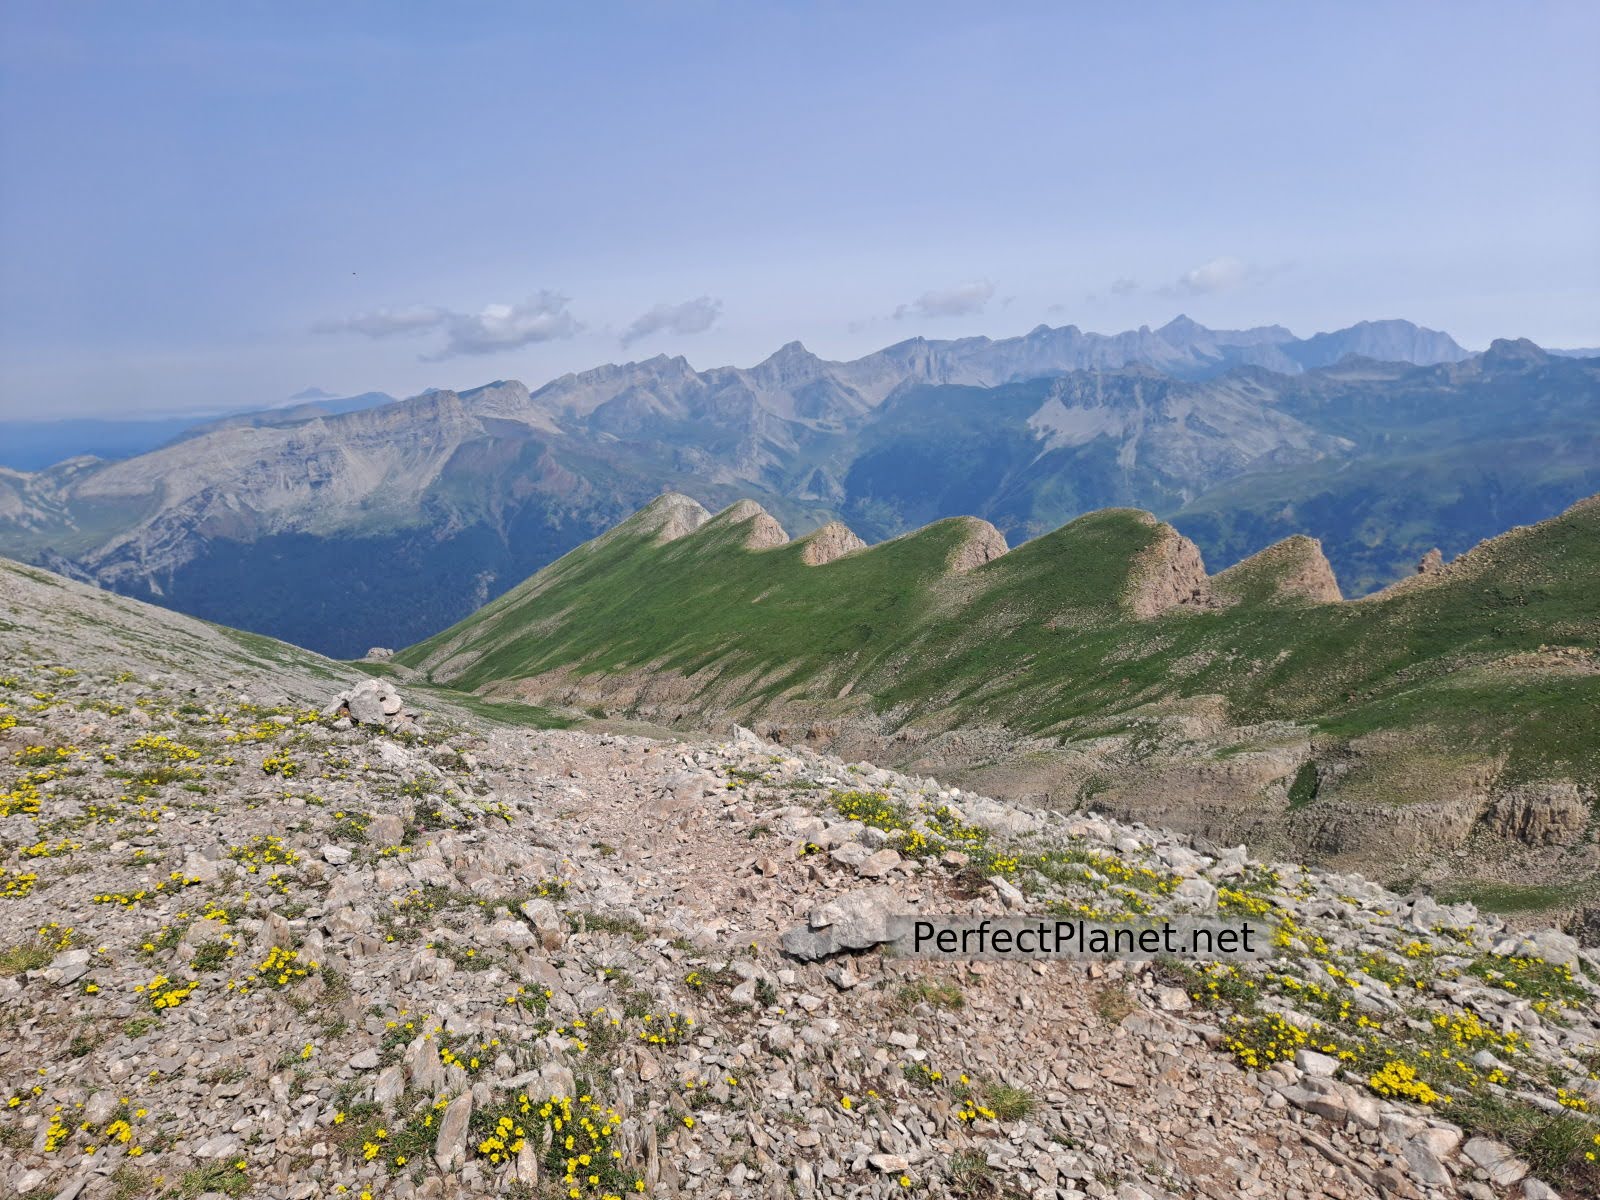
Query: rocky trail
point(253, 947)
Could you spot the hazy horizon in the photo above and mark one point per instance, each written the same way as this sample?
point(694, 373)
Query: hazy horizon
point(211, 209)
point(312, 394)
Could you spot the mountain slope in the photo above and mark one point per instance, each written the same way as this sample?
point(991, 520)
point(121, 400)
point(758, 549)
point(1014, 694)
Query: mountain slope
point(381, 526)
point(1106, 656)
point(37, 444)
point(256, 949)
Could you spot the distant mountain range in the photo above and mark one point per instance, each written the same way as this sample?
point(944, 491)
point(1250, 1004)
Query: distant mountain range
point(34, 445)
point(385, 524)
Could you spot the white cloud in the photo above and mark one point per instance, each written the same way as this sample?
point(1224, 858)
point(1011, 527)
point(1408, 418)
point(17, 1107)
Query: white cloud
point(692, 316)
point(494, 328)
point(1219, 275)
point(959, 301)
point(541, 318)
point(1123, 287)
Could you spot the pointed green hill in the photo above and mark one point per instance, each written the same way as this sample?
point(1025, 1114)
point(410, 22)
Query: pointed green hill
point(1073, 635)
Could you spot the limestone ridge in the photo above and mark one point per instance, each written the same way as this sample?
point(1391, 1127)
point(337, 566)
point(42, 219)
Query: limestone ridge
point(833, 540)
point(1168, 574)
point(979, 541)
point(1101, 661)
point(764, 532)
point(675, 516)
point(1294, 568)
point(982, 543)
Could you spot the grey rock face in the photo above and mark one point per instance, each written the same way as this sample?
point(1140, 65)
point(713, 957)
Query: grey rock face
point(856, 921)
point(450, 1150)
point(1543, 814)
point(372, 702)
point(1497, 1159)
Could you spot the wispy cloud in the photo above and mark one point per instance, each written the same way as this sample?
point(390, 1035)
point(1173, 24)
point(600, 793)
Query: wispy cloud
point(960, 301)
point(1123, 287)
point(692, 316)
point(385, 322)
point(494, 328)
point(541, 318)
point(1219, 275)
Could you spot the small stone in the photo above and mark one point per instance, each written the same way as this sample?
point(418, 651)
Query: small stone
point(1313, 1063)
point(841, 976)
point(879, 864)
point(1497, 1160)
point(1172, 999)
point(1007, 892)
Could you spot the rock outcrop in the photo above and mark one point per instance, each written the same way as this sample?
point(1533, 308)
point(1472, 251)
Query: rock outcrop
point(1168, 574)
point(1293, 569)
point(1543, 814)
point(676, 515)
point(981, 543)
point(763, 533)
point(833, 540)
point(372, 702)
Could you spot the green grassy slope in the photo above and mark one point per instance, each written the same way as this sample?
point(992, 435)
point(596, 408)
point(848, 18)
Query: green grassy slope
point(1040, 640)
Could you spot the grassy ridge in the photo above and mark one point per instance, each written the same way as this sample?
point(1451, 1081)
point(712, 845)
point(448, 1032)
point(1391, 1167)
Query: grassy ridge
point(1040, 640)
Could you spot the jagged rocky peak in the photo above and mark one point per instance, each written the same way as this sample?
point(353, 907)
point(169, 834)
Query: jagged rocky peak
point(1293, 569)
point(833, 540)
point(498, 391)
point(764, 532)
point(1513, 353)
point(791, 362)
point(1183, 326)
point(981, 543)
point(672, 515)
point(1169, 573)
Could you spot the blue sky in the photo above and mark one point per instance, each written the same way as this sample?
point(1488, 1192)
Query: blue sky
point(213, 206)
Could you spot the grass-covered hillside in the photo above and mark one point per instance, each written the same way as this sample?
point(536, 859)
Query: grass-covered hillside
point(1043, 640)
point(1447, 729)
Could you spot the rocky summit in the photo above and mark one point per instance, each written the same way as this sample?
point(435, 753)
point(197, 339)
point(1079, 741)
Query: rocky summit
point(273, 930)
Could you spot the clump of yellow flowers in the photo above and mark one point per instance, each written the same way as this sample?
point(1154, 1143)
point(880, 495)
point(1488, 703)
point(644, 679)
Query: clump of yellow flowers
point(163, 992)
point(1400, 1079)
point(280, 968)
point(172, 883)
point(16, 885)
point(263, 850)
point(281, 765)
point(576, 1138)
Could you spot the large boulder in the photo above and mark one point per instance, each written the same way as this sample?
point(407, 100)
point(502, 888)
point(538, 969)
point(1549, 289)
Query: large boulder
point(373, 702)
point(856, 921)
